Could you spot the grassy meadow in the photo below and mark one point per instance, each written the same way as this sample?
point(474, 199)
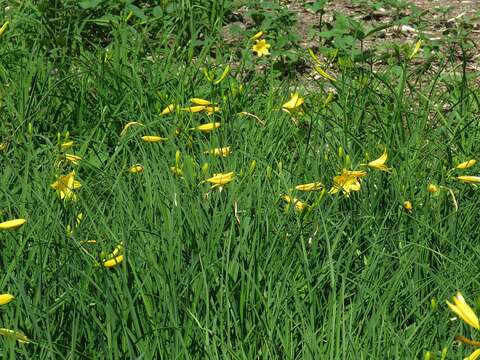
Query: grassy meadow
point(197, 186)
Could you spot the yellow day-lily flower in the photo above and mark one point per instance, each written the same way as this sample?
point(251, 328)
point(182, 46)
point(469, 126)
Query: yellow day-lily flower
point(128, 125)
point(198, 101)
point(408, 206)
point(469, 179)
point(474, 356)
point(74, 159)
point(310, 186)
point(176, 171)
point(257, 36)
point(169, 109)
point(221, 179)
point(379, 164)
point(212, 109)
point(135, 169)
point(299, 205)
point(294, 102)
point(67, 145)
point(347, 181)
point(223, 151)
point(207, 127)
point(464, 311)
point(14, 224)
point(3, 28)
point(194, 109)
point(6, 298)
point(13, 334)
point(153, 138)
point(432, 188)
point(466, 164)
point(65, 186)
point(113, 262)
point(261, 47)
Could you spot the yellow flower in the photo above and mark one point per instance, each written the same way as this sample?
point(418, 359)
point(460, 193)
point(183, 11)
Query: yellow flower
point(318, 67)
point(198, 101)
point(153, 138)
point(12, 224)
point(6, 298)
point(17, 335)
point(466, 164)
point(299, 205)
point(208, 127)
point(3, 28)
point(407, 205)
point(261, 48)
point(310, 187)
point(257, 35)
point(65, 186)
point(135, 169)
point(221, 179)
point(414, 52)
point(176, 171)
point(128, 125)
point(464, 312)
point(194, 109)
point(469, 179)
point(113, 262)
point(473, 356)
point(347, 182)
point(432, 188)
point(379, 164)
point(67, 145)
point(212, 109)
point(169, 109)
point(323, 73)
point(74, 159)
point(294, 102)
point(224, 151)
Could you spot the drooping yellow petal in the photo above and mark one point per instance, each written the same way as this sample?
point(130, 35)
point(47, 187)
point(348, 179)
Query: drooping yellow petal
point(153, 138)
point(67, 145)
point(13, 334)
point(473, 356)
point(469, 179)
point(209, 127)
point(310, 186)
point(74, 159)
point(169, 109)
point(294, 102)
point(417, 47)
point(299, 205)
point(257, 35)
point(6, 298)
point(221, 179)
point(128, 125)
point(323, 73)
point(224, 151)
point(466, 164)
point(199, 101)
point(113, 262)
point(12, 224)
point(135, 169)
point(194, 109)
point(464, 311)
point(3, 28)
point(379, 164)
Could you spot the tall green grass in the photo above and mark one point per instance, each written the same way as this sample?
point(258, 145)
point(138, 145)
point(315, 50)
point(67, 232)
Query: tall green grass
point(350, 278)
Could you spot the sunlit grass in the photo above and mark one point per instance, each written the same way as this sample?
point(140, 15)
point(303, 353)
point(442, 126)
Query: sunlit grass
point(226, 210)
